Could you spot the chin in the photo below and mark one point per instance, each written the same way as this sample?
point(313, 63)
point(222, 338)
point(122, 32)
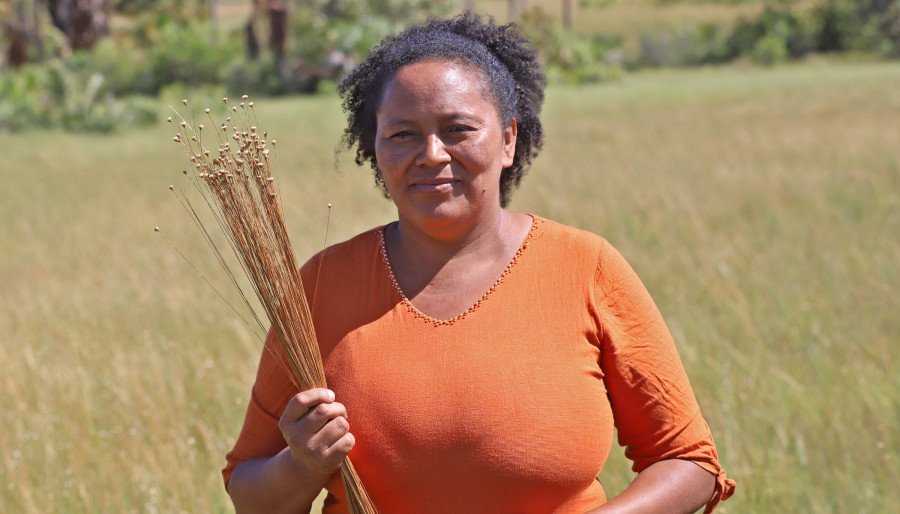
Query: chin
point(444, 210)
point(437, 211)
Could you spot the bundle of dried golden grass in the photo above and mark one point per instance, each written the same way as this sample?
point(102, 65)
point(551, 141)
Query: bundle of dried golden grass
point(236, 181)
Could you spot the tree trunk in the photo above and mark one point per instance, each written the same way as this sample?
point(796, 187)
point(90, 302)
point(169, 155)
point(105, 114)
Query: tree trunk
point(252, 41)
point(36, 35)
point(17, 52)
point(18, 35)
point(278, 25)
point(82, 21)
point(567, 14)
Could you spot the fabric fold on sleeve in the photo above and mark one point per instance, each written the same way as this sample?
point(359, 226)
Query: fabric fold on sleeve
point(724, 489)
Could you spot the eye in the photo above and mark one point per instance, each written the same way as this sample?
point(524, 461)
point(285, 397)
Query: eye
point(403, 134)
point(461, 128)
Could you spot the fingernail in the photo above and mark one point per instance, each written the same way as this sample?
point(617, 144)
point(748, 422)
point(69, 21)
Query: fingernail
point(330, 394)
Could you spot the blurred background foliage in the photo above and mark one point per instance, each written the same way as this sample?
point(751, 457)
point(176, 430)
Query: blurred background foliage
point(118, 54)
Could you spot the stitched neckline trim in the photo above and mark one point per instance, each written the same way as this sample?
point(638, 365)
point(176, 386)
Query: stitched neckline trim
point(443, 322)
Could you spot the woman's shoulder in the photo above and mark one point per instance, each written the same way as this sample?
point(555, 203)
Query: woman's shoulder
point(585, 248)
point(568, 240)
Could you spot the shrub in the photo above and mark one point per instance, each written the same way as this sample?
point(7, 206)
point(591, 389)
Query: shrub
point(835, 26)
point(159, 51)
point(685, 47)
point(860, 25)
point(264, 77)
point(569, 56)
point(121, 63)
point(778, 34)
point(191, 53)
point(21, 99)
point(770, 49)
point(64, 95)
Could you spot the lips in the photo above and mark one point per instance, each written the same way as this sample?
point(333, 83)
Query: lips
point(435, 185)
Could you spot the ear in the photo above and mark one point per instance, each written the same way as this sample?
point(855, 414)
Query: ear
point(509, 143)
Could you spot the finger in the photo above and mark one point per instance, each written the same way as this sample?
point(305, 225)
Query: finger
point(318, 416)
point(329, 434)
point(302, 402)
point(337, 452)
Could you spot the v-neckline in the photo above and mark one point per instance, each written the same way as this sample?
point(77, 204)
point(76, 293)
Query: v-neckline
point(442, 322)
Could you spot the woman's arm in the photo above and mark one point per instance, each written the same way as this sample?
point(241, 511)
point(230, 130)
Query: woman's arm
point(657, 417)
point(273, 484)
point(318, 439)
point(667, 487)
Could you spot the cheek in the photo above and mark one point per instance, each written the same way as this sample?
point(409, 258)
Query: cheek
point(388, 157)
point(481, 154)
point(471, 147)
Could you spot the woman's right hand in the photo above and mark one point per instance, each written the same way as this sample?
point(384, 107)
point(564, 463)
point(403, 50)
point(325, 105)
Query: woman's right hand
point(316, 430)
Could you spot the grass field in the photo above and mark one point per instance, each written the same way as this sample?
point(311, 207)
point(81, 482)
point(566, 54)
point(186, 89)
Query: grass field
point(761, 208)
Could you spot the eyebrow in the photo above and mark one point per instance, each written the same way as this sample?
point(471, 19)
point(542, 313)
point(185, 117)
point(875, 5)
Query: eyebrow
point(448, 116)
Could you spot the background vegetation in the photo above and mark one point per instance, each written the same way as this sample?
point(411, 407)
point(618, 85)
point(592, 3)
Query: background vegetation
point(760, 205)
point(116, 49)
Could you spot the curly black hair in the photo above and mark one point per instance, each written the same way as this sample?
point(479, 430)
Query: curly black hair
point(511, 73)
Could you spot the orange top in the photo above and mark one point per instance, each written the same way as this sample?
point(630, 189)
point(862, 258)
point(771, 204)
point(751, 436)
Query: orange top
point(509, 407)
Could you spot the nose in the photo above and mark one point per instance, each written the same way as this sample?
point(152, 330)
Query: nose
point(432, 154)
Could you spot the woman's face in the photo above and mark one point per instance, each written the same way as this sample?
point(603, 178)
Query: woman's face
point(440, 144)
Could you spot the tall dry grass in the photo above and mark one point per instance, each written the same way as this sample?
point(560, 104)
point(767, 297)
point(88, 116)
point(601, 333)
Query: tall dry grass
point(760, 207)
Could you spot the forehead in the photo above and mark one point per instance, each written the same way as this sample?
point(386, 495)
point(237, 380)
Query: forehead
point(436, 85)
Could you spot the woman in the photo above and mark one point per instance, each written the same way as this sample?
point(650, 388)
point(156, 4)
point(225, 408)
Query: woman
point(479, 359)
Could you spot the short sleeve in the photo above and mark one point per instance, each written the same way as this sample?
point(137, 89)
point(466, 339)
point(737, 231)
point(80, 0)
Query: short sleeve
point(655, 411)
point(260, 435)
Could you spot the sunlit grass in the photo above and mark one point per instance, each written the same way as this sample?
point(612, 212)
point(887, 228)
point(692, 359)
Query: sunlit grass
point(760, 207)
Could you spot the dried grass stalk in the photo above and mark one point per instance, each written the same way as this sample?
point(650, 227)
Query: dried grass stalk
point(236, 181)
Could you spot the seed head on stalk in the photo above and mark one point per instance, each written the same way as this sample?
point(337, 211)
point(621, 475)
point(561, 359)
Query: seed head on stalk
point(238, 185)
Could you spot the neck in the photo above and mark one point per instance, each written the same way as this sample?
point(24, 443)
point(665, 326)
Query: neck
point(432, 247)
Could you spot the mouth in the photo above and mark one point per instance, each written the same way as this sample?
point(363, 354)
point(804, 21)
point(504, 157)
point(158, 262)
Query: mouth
point(435, 185)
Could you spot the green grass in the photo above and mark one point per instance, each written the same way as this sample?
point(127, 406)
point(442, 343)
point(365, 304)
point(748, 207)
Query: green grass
point(761, 208)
